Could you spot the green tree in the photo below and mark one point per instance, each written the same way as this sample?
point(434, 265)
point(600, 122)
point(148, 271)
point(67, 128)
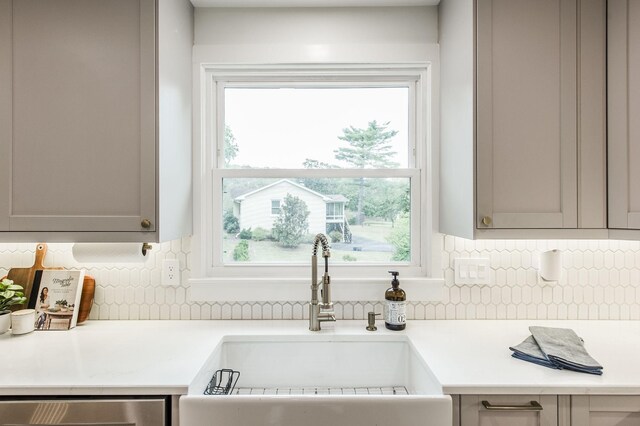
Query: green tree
point(401, 240)
point(387, 199)
point(405, 200)
point(292, 223)
point(322, 185)
point(315, 164)
point(230, 145)
point(230, 223)
point(368, 147)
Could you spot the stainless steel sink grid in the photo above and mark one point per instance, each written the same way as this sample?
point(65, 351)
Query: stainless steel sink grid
point(388, 390)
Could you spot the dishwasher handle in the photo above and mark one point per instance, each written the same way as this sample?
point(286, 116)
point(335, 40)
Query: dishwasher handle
point(531, 406)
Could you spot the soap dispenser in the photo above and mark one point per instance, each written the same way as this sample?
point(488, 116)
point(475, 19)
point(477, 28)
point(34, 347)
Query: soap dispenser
point(395, 308)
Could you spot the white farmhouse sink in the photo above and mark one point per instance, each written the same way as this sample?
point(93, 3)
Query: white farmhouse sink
point(319, 380)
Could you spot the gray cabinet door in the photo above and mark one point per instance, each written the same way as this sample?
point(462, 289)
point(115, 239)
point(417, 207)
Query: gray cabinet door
point(78, 139)
point(623, 59)
point(5, 112)
point(527, 114)
point(619, 410)
point(508, 410)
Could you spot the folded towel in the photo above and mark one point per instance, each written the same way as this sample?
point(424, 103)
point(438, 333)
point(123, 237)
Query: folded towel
point(563, 347)
point(529, 350)
point(556, 348)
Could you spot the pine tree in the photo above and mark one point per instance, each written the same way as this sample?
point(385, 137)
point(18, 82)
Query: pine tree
point(368, 147)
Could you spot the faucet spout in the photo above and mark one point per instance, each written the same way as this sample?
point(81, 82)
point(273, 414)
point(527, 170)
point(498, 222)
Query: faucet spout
point(319, 312)
point(321, 239)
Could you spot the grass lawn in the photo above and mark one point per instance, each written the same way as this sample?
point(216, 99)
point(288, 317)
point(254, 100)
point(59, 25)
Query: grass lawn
point(372, 232)
point(272, 252)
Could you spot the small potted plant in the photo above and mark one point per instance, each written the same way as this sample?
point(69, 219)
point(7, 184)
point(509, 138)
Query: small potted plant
point(62, 304)
point(10, 294)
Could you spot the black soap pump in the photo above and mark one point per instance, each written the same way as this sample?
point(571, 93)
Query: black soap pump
point(395, 308)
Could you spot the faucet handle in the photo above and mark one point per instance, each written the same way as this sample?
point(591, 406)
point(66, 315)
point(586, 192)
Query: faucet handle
point(371, 316)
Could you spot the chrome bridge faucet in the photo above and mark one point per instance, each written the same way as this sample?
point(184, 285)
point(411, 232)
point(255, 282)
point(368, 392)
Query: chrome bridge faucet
point(320, 312)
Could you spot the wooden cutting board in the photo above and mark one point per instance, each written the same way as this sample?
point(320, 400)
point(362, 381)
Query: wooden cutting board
point(25, 276)
point(86, 300)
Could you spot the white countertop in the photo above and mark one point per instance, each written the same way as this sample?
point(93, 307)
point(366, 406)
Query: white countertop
point(163, 357)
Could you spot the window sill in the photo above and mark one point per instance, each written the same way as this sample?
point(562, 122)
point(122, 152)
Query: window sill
point(297, 289)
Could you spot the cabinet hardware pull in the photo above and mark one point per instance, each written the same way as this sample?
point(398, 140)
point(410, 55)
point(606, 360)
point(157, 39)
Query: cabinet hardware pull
point(531, 406)
point(146, 224)
point(486, 221)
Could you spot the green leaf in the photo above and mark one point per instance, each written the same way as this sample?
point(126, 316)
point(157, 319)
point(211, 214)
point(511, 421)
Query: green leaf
point(15, 287)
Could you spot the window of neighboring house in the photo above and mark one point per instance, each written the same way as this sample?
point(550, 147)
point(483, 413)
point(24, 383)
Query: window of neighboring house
point(334, 211)
point(335, 152)
point(275, 207)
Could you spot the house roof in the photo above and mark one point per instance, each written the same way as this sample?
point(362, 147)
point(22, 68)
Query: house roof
point(338, 198)
point(317, 194)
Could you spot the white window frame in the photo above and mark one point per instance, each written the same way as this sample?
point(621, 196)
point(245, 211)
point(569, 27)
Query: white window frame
point(212, 280)
point(279, 207)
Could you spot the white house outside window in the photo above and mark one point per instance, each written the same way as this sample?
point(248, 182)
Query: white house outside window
point(275, 207)
point(298, 151)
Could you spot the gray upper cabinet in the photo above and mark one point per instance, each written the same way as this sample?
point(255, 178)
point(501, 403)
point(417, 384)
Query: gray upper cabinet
point(523, 125)
point(526, 114)
point(624, 109)
point(95, 119)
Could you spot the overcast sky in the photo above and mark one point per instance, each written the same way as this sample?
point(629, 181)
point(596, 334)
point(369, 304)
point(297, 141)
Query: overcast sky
point(279, 128)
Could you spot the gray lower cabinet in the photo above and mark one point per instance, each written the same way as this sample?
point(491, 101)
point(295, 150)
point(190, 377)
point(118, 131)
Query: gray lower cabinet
point(95, 120)
point(508, 410)
point(546, 410)
point(601, 410)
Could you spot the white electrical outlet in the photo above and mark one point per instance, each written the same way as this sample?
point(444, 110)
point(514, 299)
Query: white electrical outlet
point(472, 271)
point(170, 272)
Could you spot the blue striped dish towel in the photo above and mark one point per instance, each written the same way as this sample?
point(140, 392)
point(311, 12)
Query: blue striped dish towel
point(558, 348)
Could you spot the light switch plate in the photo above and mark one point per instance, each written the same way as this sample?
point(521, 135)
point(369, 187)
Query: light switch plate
point(469, 270)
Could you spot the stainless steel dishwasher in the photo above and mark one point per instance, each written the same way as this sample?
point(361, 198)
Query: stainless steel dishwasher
point(87, 411)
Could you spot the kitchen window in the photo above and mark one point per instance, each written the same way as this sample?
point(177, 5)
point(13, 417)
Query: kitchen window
point(289, 153)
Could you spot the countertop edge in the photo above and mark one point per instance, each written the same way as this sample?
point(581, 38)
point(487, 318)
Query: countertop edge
point(167, 356)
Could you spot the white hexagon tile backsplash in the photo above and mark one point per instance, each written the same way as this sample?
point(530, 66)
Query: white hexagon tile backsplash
point(601, 280)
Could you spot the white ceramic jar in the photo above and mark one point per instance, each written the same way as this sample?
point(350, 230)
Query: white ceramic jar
point(5, 322)
point(23, 321)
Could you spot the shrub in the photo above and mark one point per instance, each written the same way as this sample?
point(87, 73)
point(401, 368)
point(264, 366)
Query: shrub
point(230, 223)
point(336, 236)
point(292, 223)
point(245, 234)
point(241, 251)
point(260, 234)
point(349, 258)
point(401, 240)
